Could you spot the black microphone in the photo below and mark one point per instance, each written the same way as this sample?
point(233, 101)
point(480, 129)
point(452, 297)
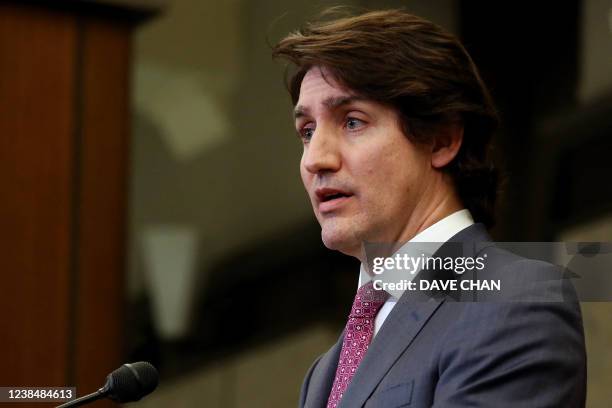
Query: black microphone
point(128, 383)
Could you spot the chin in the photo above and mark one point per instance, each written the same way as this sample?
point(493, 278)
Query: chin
point(340, 240)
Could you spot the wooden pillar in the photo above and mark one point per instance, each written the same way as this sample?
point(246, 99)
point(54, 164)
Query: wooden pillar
point(64, 151)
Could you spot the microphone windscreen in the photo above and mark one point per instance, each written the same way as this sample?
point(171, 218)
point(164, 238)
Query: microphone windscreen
point(131, 382)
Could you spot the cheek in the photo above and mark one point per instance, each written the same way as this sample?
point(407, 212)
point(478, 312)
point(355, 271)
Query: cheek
point(302, 168)
point(305, 175)
point(380, 165)
point(389, 174)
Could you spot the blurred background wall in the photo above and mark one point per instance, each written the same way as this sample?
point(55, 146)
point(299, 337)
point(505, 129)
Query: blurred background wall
point(226, 286)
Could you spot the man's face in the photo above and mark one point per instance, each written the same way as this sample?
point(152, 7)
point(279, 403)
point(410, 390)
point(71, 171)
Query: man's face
point(362, 174)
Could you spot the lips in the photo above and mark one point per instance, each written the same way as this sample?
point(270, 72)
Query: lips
point(330, 199)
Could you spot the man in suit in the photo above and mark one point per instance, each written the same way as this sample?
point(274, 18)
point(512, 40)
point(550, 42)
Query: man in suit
point(396, 123)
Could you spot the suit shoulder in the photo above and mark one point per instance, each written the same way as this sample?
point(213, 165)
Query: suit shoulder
point(500, 261)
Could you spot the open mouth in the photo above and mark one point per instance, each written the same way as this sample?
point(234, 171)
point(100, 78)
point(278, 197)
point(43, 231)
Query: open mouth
point(334, 196)
point(331, 199)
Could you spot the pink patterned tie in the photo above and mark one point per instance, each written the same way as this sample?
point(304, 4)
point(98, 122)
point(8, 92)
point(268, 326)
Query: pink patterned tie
point(357, 336)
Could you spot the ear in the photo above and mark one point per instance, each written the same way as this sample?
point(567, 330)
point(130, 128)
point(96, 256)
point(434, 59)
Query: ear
point(446, 144)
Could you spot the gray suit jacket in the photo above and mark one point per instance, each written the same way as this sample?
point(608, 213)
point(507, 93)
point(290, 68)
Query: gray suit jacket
point(435, 351)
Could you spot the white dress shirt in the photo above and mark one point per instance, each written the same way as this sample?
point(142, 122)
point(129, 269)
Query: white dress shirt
point(439, 232)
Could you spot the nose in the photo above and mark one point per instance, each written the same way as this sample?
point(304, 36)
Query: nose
point(322, 153)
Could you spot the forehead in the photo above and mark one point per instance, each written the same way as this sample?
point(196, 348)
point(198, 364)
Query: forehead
point(319, 88)
point(319, 79)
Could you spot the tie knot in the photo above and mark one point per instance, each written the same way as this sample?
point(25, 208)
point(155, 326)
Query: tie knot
point(368, 301)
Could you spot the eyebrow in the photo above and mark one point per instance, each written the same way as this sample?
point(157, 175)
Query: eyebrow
point(330, 103)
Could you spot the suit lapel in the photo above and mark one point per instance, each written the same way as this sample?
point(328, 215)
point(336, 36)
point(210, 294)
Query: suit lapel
point(405, 321)
point(323, 377)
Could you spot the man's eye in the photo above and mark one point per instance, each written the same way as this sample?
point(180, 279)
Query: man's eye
point(306, 133)
point(353, 123)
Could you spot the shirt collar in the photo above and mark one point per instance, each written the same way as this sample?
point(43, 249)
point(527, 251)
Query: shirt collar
point(439, 233)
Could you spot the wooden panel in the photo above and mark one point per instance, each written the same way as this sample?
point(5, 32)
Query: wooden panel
point(104, 149)
point(64, 83)
point(36, 114)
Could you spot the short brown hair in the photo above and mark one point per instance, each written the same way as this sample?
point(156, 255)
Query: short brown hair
point(399, 59)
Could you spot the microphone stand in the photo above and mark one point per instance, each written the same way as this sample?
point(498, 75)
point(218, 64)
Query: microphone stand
point(101, 393)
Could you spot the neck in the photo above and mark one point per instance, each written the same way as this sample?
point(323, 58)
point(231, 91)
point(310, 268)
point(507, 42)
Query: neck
point(438, 210)
point(439, 200)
